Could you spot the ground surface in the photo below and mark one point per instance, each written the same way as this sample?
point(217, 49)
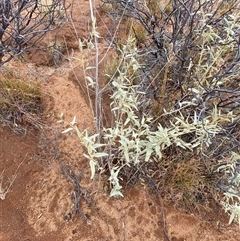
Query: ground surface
point(40, 202)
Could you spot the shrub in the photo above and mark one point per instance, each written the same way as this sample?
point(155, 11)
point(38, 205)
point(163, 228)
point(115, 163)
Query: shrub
point(25, 23)
point(178, 91)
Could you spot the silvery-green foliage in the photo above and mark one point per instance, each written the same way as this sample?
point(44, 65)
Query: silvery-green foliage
point(90, 143)
point(212, 53)
point(132, 139)
point(114, 181)
point(204, 63)
point(231, 199)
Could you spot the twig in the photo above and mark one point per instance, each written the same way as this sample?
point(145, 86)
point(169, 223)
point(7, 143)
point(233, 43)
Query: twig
point(78, 190)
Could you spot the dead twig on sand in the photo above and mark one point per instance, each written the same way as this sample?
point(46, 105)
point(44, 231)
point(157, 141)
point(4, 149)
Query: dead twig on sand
point(79, 191)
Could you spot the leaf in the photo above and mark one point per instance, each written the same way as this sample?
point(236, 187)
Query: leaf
point(231, 217)
point(148, 153)
point(81, 45)
point(115, 193)
point(73, 122)
point(93, 169)
point(79, 134)
point(97, 145)
point(100, 154)
point(91, 82)
point(67, 130)
point(126, 155)
point(87, 156)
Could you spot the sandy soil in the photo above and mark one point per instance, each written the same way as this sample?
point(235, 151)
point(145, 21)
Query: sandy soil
point(40, 203)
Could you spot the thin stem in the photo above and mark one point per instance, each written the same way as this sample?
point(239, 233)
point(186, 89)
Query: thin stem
point(98, 95)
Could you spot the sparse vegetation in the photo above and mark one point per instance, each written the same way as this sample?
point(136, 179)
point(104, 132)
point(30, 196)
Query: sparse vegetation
point(174, 90)
point(20, 101)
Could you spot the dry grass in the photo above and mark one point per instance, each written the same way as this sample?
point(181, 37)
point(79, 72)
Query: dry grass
point(20, 101)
